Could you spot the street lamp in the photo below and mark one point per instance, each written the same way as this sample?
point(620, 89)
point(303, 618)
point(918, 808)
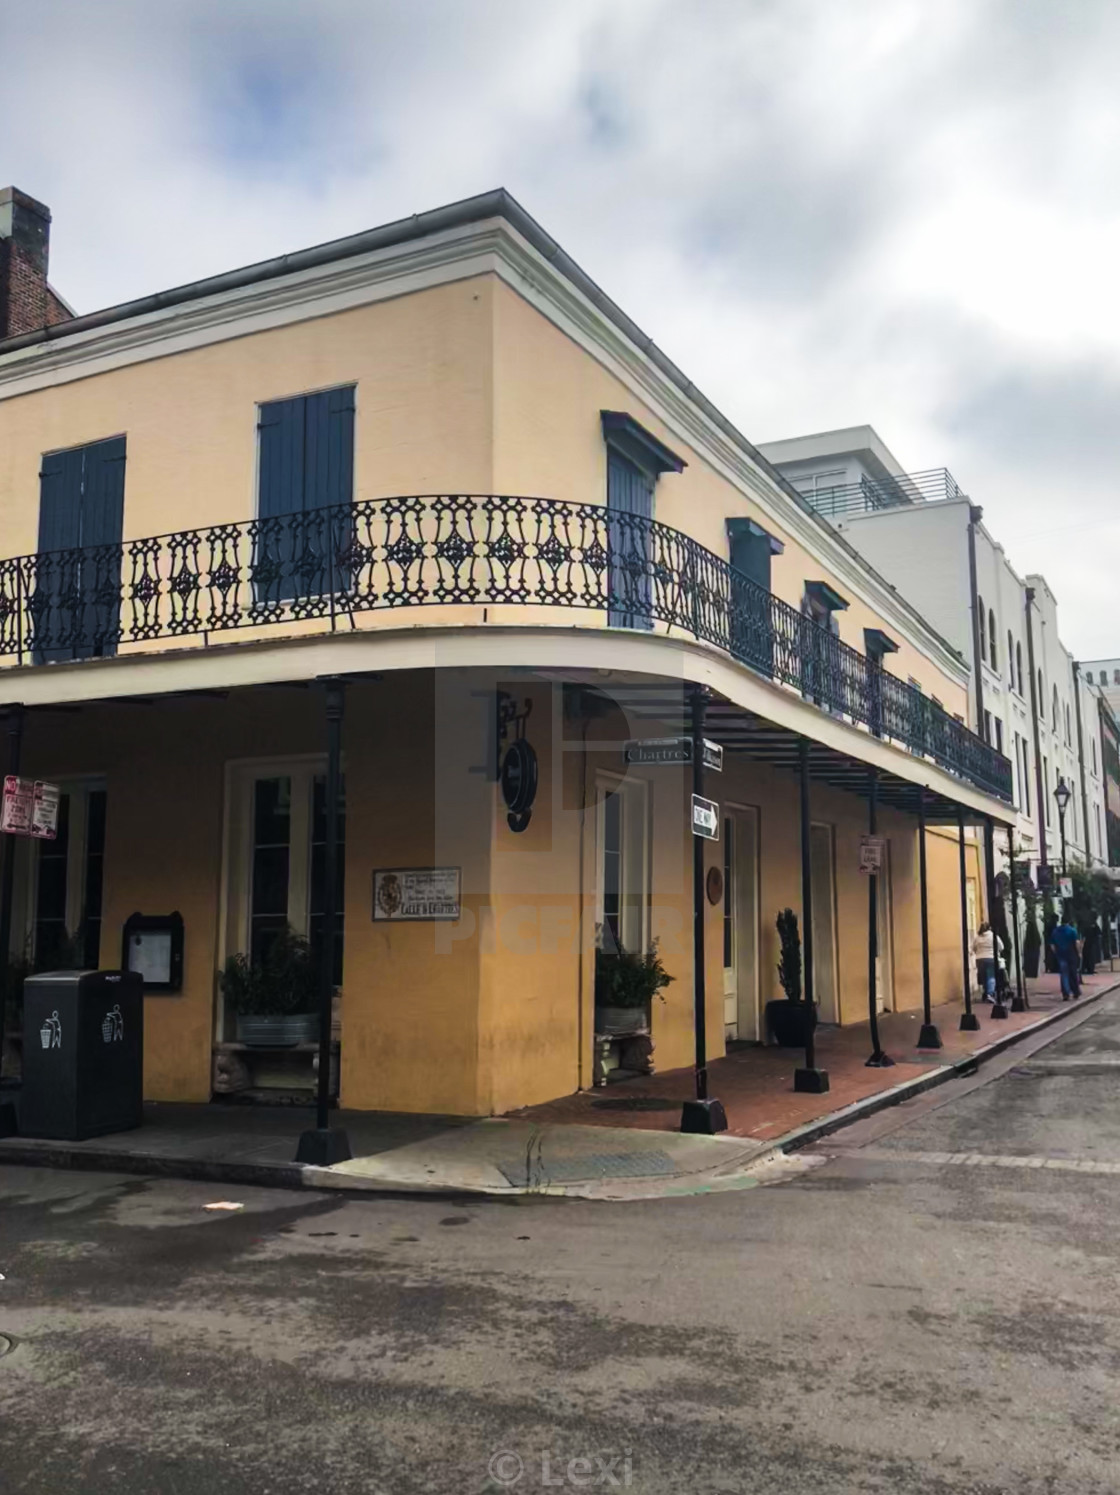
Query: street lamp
point(1062, 795)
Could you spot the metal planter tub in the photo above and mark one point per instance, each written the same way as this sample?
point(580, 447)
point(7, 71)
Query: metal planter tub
point(283, 1032)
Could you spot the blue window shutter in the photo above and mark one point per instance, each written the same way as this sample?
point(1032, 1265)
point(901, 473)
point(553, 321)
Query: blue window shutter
point(629, 491)
point(329, 449)
point(76, 602)
point(103, 493)
point(60, 501)
point(281, 458)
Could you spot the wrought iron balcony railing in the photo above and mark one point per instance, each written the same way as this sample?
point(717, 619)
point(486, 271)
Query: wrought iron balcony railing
point(869, 495)
point(337, 564)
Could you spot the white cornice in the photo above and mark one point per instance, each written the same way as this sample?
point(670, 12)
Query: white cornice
point(488, 246)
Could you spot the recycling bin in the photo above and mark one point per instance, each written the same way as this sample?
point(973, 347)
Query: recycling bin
point(83, 1054)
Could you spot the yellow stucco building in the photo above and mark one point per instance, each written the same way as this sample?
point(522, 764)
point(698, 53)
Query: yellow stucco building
point(434, 472)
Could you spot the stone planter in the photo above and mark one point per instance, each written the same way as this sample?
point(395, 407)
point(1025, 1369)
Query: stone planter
point(282, 1032)
point(622, 1020)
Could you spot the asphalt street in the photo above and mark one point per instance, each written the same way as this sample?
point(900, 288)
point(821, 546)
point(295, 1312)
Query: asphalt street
point(929, 1302)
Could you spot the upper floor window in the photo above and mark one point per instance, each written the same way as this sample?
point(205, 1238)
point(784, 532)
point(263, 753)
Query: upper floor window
point(306, 465)
point(1041, 697)
point(1019, 666)
point(635, 461)
point(1069, 733)
point(982, 616)
point(76, 603)
point(993, 657)
point(1115, 677)
point(1054, 710)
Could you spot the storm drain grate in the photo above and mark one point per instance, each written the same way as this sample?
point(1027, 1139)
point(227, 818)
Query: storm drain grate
point(591, 1166)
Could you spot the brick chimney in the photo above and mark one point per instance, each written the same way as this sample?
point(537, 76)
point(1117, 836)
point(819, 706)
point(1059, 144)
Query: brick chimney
point(27, 302)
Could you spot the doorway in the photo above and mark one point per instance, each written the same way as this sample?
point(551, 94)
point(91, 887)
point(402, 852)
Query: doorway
point(822, 865)
point(740, 926)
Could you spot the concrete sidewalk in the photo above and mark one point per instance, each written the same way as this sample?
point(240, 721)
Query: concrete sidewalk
point(619, 1142)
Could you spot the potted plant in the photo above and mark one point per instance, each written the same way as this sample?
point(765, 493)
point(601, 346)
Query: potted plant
point(790, 1020)
point(273, 998)
point(625, 986)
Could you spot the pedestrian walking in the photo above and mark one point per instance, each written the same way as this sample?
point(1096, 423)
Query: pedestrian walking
point(984, 954)
point(1066, 945)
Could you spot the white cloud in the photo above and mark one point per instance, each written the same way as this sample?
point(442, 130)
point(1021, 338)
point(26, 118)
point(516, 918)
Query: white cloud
point(826, 213)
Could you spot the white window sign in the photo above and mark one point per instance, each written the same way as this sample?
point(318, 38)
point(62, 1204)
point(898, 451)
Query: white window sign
point(871, 853)
point(402, 893)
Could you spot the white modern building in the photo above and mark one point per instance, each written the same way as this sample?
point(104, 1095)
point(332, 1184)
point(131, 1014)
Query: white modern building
point(1105, 673)
point(1028, 697)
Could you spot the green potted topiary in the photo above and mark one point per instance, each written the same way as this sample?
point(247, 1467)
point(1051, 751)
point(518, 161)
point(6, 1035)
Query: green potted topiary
point(791, 1020)
point(625, 985)
point(273, 998)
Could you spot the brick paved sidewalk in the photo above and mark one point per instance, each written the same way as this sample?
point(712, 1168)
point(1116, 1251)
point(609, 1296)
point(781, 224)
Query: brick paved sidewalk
point(755, 1084)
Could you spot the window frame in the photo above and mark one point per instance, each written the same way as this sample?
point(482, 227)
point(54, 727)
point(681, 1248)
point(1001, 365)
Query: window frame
point(635, 882)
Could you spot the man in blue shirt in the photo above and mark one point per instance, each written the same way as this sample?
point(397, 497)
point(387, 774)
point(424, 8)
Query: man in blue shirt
point(1067, 948)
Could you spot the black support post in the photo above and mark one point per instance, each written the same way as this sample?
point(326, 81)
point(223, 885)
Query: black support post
point(929, 1037)
point(702, 1114)
point(970, 1023)
point(326, 1145)
point(810, 1079)
point(999, 1011)
point(879, 1059)
point(14, 725)
point(1019, 1000)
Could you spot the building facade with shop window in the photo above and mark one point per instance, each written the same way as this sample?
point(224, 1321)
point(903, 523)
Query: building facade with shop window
point(432, 476)
point(1027, 695)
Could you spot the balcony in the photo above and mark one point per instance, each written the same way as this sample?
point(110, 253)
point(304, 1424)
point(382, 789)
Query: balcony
point(868, 496)
point(335, 569)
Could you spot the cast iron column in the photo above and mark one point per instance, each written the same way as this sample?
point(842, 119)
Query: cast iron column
point(810, 1079)
point(14, 722)
point(325, 1145)
point(1019, 1000)
point(878, 1060)
point(970, 1023)
point(998, 1009)
point(929, 1037)
point(702, 1114)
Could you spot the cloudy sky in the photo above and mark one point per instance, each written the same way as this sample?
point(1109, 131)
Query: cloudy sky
point(828, 212)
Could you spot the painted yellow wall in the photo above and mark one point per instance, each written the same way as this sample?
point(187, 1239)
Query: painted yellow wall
point(547, 440)
point(421, 363)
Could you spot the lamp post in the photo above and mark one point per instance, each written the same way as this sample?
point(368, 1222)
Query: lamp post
point(1062, 796)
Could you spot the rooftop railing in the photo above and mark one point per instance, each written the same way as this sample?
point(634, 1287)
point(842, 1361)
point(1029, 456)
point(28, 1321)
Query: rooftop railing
point(869, 495)
point(337, 564)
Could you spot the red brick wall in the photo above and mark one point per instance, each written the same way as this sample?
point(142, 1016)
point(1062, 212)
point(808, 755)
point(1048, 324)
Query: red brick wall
point(27, 303)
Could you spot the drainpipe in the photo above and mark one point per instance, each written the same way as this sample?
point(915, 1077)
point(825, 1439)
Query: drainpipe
point(1081, 761)
point(1040, 791)
point(975, 514)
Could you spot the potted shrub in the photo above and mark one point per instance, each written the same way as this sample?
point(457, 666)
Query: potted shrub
point(274, 998)
point(791, 1020)
point(1032, 946)
point(625, 986)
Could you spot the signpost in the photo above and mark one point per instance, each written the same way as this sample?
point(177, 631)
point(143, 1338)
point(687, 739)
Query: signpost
point(871, 854)
point(29, 808)
point(705, 818)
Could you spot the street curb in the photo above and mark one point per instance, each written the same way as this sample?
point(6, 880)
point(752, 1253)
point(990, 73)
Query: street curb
point(35, 1154)
point(870, 1105)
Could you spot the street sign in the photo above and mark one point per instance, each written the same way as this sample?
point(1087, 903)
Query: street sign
point(871, 853)
point(1065, 887)
point(29, 808)
point(660, 750)
point(1045, 878)
point(705, 818)
point(713, 756)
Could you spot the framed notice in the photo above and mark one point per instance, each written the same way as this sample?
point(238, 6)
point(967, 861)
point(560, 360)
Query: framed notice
point(152, 946)
point(412, 893)
point(29, 807)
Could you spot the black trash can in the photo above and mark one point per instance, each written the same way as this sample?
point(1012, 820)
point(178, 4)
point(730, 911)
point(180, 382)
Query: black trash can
point(83, 1054)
